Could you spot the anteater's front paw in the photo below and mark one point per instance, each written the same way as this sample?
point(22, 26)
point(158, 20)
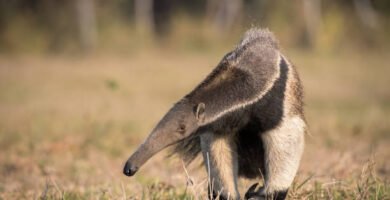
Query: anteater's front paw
point(260, 194)
point(253, 194)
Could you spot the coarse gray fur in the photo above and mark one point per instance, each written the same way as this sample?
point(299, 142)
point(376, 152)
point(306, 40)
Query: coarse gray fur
point(255, 56)
point(248, 113)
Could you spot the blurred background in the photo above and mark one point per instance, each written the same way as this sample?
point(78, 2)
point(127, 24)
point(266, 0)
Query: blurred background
point(83, 82)
point(42, 26)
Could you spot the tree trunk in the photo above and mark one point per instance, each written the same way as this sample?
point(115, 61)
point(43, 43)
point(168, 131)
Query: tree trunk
point(224, 13)
point(87, 23)
point(313, 20)
point(144, 16)
point(366, 13)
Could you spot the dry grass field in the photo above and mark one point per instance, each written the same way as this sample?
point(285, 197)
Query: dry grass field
point(68, 124)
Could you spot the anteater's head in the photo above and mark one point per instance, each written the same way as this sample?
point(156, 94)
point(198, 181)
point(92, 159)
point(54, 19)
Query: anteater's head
point(179, 123)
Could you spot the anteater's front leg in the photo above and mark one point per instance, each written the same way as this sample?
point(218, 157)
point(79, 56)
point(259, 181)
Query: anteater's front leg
point(283, 148)
point(220, 158)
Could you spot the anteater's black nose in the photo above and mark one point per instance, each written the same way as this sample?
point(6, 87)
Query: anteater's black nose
point(129, 170)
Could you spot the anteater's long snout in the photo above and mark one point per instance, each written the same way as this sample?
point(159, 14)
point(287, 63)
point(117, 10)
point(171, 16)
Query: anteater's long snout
point(166, 133)
point(129, 169)
point(139, 157)
point(156, 142)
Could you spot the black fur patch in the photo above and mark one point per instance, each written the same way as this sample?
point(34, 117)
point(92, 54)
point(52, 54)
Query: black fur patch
point(250, 151)
point(269, 110)
point(266, 115)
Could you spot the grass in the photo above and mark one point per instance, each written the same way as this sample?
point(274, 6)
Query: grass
point(367, 186)
point(67, 124)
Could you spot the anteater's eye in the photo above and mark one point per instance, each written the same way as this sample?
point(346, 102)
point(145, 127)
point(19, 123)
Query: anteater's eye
point(181, 129)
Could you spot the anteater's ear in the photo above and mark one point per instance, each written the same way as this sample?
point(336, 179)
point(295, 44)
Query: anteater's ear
point(199, 111)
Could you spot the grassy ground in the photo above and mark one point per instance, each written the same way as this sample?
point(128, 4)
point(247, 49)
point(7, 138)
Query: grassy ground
point(68, 124)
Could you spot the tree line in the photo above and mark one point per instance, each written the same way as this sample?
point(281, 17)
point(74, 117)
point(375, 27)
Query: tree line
point(79, 20)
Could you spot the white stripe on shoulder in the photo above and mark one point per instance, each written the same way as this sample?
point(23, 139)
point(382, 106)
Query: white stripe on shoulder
point(268, 87)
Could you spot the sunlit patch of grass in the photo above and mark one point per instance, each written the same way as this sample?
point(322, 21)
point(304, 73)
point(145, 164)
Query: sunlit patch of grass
point(152, 191)
point(160, 190)
point(366, 186)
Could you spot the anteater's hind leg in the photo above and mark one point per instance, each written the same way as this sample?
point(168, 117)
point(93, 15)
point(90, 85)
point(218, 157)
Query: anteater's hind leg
point(220, 158)
point(283, 148)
